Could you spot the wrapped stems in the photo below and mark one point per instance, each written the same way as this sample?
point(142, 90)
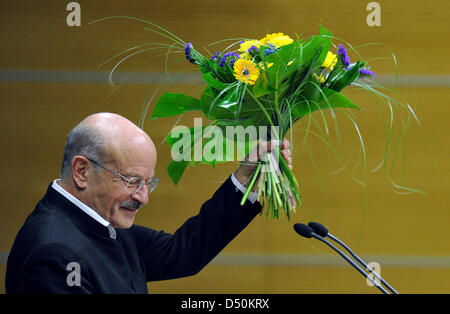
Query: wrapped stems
point(275, 184)
point(251, 184)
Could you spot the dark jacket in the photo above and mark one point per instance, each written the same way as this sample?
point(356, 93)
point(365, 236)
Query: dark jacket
point(58, 235)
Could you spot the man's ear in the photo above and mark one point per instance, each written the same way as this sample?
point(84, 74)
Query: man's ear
point(80, 170)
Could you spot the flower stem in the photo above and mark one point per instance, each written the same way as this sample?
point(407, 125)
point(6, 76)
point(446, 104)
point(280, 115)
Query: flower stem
point(275, 190)
point(252, 182)
point(277, 185)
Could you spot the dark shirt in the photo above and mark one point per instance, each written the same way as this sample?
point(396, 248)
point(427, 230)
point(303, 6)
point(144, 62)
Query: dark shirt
point(58, 235)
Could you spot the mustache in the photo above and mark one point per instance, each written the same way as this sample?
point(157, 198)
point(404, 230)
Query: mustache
point(131, 204)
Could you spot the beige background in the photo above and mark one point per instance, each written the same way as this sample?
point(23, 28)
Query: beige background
point(42, 99)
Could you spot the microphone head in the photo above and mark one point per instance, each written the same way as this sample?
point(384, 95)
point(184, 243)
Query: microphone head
point(303, 230)
point(318, 228)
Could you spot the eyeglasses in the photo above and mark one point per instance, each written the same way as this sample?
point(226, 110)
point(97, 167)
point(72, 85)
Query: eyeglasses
point(131, 183)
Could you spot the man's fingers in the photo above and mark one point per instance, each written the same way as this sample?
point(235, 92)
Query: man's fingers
point(266, 147)
point(286, 153)
point(285, 144)
point(289, 162)
point(262, 148)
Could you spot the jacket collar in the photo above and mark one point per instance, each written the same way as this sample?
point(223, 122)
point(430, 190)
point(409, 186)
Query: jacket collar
point(77, 214)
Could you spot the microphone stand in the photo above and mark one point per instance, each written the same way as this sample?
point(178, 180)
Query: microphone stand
point(350, 261)
point(362, 262)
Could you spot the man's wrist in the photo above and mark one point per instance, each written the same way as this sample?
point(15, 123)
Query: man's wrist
point(252, 197)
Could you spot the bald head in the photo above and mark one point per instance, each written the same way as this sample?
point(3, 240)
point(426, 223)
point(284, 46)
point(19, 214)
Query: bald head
point(113, 126)
point(104, 137)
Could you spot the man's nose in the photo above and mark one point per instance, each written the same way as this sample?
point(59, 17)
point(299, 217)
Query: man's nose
point(142, 195)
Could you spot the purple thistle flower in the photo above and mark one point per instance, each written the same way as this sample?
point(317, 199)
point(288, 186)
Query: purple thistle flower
point(187, 53)
point(366, 72)
point(223, 60)
point(216, 56)
point(252, 49)
point(344, 57)
point(227, 56)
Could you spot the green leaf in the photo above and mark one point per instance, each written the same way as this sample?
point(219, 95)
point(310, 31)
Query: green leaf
point(207, 66)
point(279, 70)
point(336, 100)
point(325, 31)
point(344, 79)
point(176, 169)
point(316, 50)
point(197, 140)
point(262, 87)
point(224, 104)
point(172, 104)
point(206, 100)
point(213, 82)
point(332, 100)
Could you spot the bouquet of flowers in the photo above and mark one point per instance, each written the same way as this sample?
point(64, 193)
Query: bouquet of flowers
point(272, 82)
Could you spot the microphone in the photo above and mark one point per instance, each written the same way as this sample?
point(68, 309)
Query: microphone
point(323, 232)
point(303, 230)
point(308, 232)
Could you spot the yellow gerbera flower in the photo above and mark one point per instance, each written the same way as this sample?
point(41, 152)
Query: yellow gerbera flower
point(246, 45)
point(246, 71)
point(276, 39)
point(330, 61)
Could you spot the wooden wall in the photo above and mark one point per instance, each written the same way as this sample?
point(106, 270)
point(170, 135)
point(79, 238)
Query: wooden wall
point(41, 100)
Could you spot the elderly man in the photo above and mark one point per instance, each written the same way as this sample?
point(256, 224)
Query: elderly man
point(81, 238)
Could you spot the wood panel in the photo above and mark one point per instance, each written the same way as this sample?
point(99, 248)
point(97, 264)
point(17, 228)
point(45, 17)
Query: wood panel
point(35, 35)
point(263, 280)
point(288, 280)
point(35, 118)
